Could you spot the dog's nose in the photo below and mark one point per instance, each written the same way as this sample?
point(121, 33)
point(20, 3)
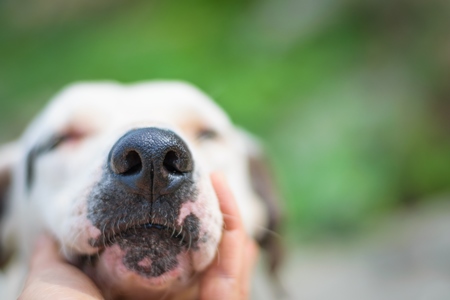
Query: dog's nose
point(151, 161)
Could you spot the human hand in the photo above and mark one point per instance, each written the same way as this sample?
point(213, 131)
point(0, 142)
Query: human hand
point(229, 275)
point(51, 277)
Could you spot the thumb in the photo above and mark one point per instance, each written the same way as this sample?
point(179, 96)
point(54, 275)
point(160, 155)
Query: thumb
point(46, 251)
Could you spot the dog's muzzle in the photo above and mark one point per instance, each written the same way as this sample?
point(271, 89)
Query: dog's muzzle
point(137, 204)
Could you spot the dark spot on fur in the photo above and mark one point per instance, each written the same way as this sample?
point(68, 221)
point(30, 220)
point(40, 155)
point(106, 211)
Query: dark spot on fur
point(159, 246)
point(204, 239)
point(38, 150)
point(153, 244)
point(192, 224)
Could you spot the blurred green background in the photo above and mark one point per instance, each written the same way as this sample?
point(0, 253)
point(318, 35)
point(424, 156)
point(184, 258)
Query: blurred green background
point(351, 98)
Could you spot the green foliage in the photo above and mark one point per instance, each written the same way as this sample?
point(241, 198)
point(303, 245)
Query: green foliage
point(338, 104)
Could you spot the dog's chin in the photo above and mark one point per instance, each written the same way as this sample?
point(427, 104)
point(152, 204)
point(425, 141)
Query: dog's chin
point(143, 260)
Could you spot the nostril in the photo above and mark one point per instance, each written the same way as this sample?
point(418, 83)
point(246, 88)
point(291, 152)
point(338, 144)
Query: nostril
point(172, 163)
point(129, 165)
point(134, 163)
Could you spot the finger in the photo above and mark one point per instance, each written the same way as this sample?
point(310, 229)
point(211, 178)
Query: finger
point(250, 259)
point(46, 251)
point(227, 202)
point(222, 279)
point(232, 245)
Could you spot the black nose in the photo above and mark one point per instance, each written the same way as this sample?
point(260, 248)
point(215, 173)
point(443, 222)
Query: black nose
point(151, 161)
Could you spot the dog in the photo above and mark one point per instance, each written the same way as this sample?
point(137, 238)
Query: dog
point(119, 175)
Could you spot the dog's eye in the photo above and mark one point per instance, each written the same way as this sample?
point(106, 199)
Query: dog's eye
point(56, 141)
point(207, 134)
point(60, 139)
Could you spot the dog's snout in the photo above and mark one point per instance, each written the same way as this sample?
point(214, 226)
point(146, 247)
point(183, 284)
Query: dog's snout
point(151, 161)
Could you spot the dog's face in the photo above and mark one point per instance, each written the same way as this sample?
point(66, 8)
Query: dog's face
point(120, 176)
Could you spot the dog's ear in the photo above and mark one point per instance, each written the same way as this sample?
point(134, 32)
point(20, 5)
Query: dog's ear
point(264, 186)
point(9, 155)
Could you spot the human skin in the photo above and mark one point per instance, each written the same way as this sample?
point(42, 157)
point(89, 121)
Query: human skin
point(228, 277)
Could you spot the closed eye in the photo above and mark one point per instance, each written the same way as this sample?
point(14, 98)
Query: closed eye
point(58, 140)
point(55, 141)
point(207, 134)
point(48, 145)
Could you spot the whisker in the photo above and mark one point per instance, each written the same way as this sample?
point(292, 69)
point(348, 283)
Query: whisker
point(190, 242)
point(181, 242)
point(103, 235)
point(112, 228)
point(118, 227)
point(73, 241)
point(191, 278)
point(98, 254)
point(165, 294)
point(265, 229)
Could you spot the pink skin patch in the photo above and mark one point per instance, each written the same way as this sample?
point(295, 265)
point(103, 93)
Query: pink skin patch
point(186, 209)
point(145, 263)
point(93, 232)
point(112, 272)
